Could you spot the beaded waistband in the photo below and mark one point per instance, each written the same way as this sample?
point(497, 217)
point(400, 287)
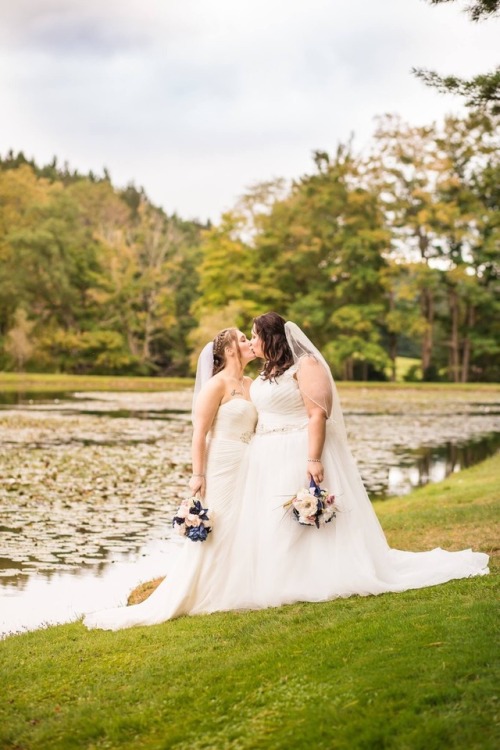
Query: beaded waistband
point(263, 429)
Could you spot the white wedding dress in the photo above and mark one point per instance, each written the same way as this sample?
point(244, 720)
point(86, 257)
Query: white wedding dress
point(258, 555)
point(197, 580)
point(275, 560)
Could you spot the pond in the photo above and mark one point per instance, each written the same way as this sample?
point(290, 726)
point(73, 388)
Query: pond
point(90, 482)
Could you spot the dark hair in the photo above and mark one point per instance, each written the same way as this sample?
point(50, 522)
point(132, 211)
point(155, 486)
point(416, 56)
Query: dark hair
point(270, 327)
point(224, 338)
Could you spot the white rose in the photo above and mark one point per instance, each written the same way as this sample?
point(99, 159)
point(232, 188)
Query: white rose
point(303, 493)
point(307, 506)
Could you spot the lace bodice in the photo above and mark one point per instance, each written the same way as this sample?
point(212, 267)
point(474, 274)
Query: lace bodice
point(279, 404)
point(235, 420)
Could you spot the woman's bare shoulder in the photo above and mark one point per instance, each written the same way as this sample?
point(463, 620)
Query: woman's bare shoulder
point(215, 386)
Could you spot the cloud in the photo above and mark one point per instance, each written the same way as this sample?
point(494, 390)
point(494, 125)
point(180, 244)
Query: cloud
point(197, 99)
point(59, 27)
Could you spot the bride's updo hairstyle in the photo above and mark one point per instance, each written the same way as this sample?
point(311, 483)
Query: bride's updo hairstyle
point(224, 339)
point(270, 328)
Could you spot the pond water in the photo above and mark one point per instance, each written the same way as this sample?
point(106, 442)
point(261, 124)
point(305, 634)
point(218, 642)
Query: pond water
point(89, 482)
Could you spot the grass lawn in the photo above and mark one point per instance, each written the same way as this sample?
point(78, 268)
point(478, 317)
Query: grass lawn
point(411, 671)
point(403, 364)
point(27, 382)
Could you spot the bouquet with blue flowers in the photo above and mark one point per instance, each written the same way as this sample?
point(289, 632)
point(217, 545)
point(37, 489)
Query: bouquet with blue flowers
point(312, 507)
point(192, 520)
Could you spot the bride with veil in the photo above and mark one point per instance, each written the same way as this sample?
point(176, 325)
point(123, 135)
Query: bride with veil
point(300, 432)
point(259, 555)
point(224, 422)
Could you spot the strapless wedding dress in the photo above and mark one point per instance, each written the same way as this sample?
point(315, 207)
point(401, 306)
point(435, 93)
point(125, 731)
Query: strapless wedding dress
point(196, 582)
point(277, 561)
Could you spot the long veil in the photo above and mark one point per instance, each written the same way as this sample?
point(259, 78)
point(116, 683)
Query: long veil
point(318, 384)
point(204, 371)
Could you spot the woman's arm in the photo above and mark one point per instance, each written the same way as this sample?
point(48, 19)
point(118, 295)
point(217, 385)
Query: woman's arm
point(316, 434)
point(207, 405)
point(316, 394)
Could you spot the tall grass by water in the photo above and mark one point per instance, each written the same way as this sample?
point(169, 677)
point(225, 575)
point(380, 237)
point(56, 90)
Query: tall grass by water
point(410, 671)
point(26, 382)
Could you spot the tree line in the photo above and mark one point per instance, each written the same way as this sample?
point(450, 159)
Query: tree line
point(392, 252)
point(388, 252)
point(93, 279)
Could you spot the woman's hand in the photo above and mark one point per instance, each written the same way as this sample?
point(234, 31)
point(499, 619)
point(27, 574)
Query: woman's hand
point(197, 485)
point(315, 471)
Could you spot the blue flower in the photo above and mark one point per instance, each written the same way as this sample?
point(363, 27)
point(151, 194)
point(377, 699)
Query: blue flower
point(197, 533)
point(182, 524)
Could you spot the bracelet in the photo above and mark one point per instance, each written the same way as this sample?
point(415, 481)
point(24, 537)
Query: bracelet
point(314, 460)
point(198, 475)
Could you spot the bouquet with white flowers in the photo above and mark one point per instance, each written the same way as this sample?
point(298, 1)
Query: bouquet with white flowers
point(192, 520)
point(312, 507)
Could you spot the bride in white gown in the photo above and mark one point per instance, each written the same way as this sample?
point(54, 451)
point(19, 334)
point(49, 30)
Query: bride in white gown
point(258, 555)
point(222, 408)
point(300, 432)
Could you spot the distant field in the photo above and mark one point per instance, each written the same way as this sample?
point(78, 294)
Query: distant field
point(11, 382)
point(37, 383)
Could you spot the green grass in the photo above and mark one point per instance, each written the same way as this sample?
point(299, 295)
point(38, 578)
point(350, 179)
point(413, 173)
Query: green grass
point(403, 364)
point(410, 671)
point(11, 382)
point(461, 511)
point(417, 386)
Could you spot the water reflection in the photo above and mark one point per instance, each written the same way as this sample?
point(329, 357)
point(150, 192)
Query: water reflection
point(433, 464)
point(19, 398)
point(40, 599)
point(72, 403)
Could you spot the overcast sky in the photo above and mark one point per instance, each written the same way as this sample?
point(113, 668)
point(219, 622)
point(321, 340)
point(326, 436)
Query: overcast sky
point(197, 99)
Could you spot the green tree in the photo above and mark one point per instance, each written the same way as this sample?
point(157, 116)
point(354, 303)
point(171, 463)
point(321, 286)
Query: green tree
point(438, 187)
point(406, 166)
point(54, 261)
point(469, 185)
point(322, 249)
point(480, 91)
point(139, 286)
point(401, 317)
point(19, 345)
point(20, 192)
point(306, 252)
point(107, 278)
point(229, 273)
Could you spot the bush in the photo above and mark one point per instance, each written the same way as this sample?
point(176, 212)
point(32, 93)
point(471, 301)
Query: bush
point(101, 352)
point(412, 375)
